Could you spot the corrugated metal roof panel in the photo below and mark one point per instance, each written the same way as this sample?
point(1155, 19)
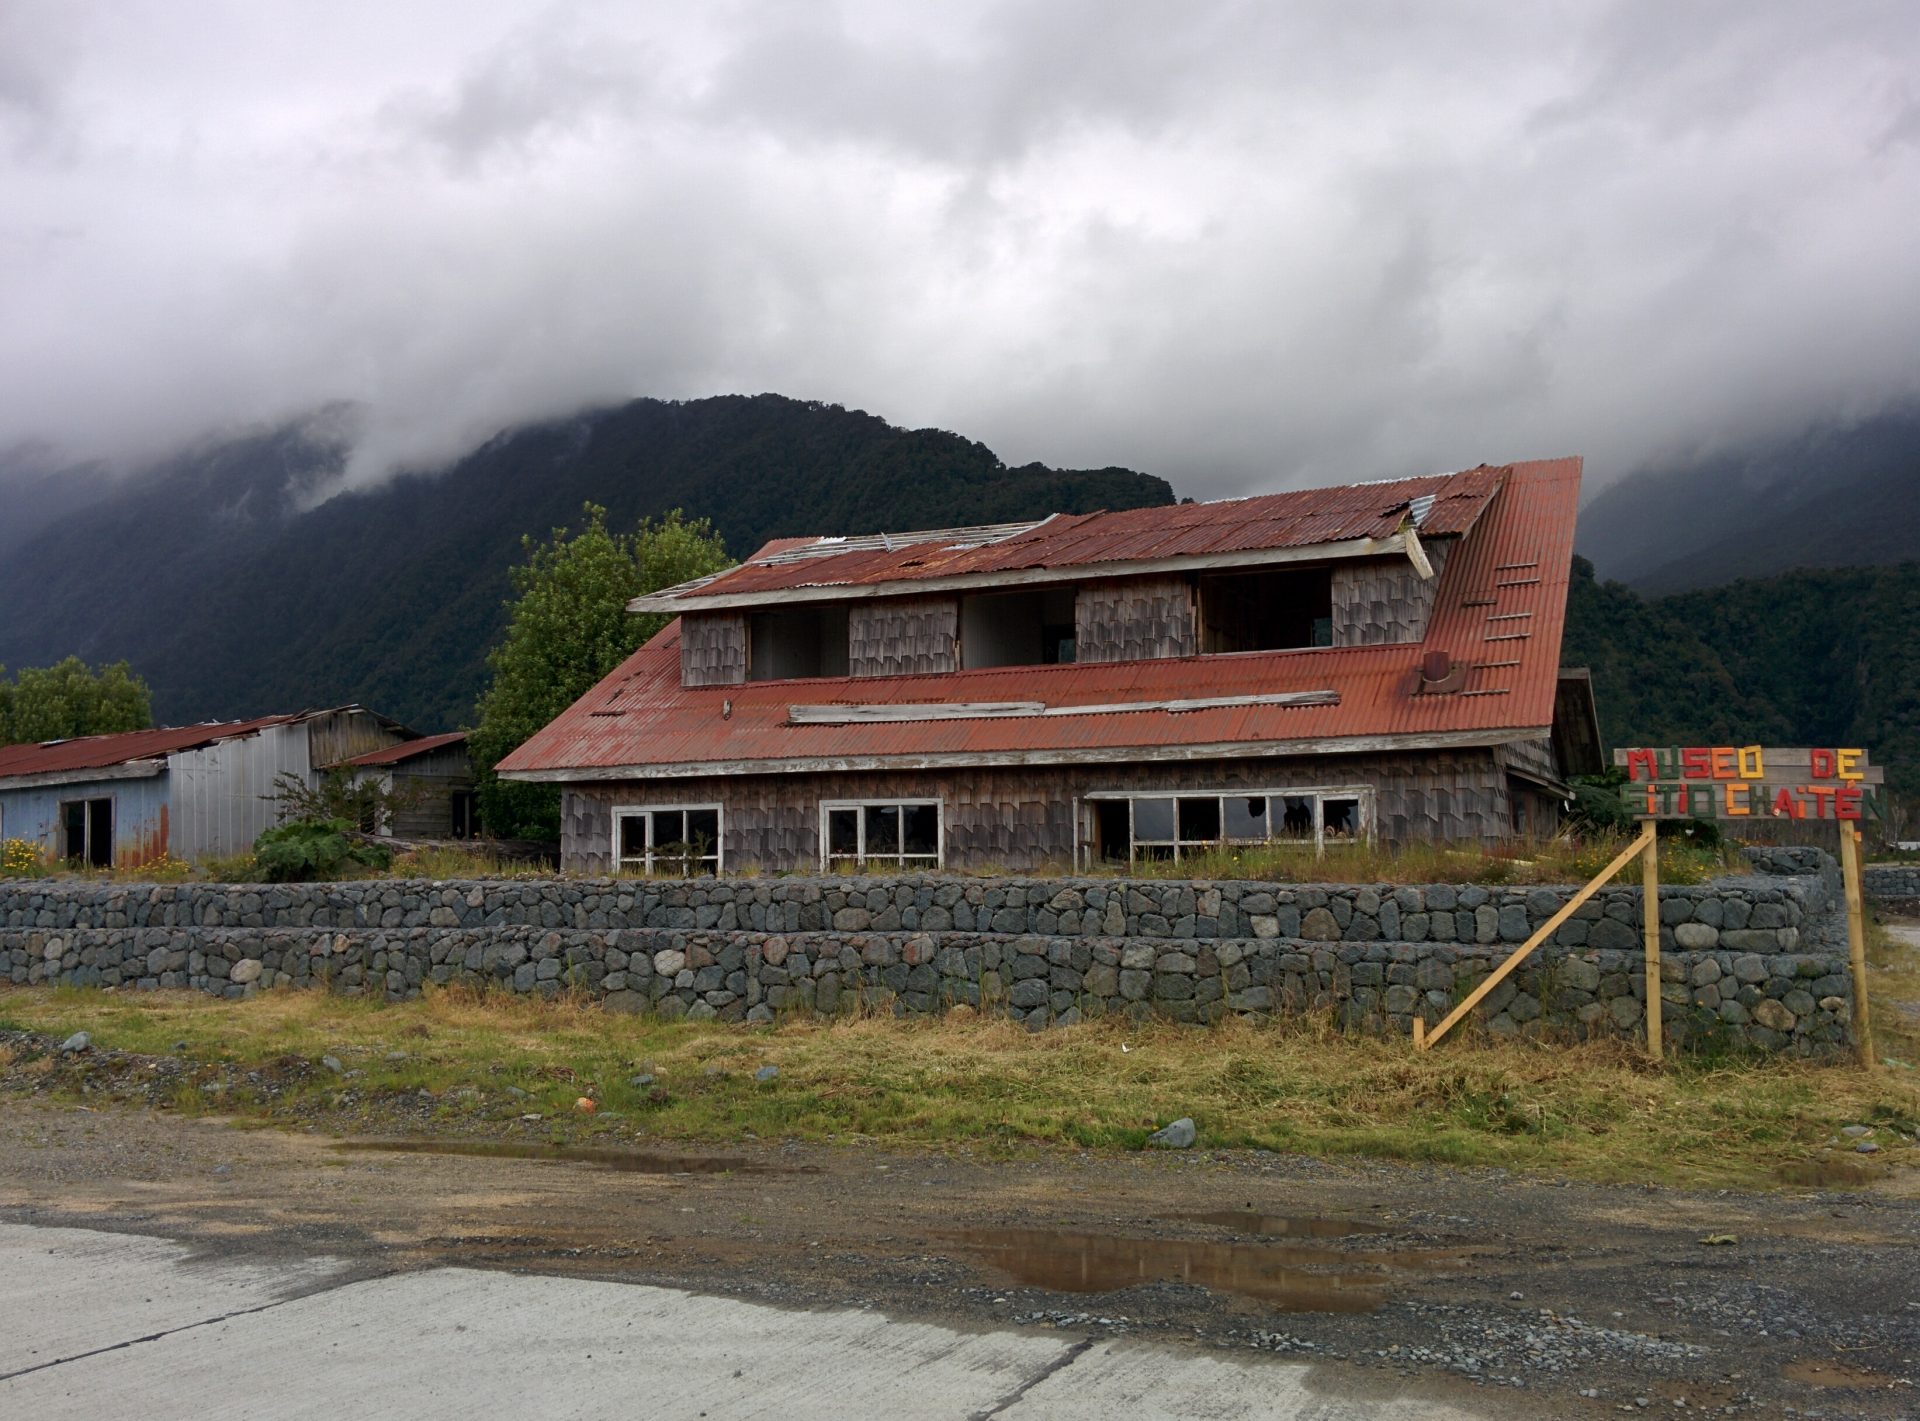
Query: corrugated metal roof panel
point(408, 749)
point(1299, 519)
point(1510, 571)
point(96, 752)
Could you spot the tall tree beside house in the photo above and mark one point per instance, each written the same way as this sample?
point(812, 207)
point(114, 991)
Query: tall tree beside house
point(568, 626)
point(71, 699)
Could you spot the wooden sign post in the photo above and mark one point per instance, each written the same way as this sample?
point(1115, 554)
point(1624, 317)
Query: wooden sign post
point(1650, 919)
point(1857, 942)
point(1735, 785)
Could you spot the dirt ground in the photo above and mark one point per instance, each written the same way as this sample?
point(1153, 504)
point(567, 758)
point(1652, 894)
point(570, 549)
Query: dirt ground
point(1592, 1299)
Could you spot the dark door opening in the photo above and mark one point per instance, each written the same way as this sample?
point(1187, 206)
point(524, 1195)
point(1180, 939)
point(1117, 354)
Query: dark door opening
point(86, 832)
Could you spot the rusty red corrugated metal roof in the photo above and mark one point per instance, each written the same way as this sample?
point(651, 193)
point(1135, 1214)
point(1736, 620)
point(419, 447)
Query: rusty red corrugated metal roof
point(1499, 610)
point(1299, 519)
point(99, 752)
point(408, 749)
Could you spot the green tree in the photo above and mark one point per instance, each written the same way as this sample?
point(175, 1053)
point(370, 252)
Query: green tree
point(71, 699)
point(568, 626)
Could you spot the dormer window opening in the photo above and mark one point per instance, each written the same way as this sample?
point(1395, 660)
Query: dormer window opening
point(793, 642)
point(1029, 627)
point(1271, 609)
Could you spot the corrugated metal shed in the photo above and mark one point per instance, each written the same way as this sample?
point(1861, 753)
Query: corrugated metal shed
point(1450, 503)
point(1499, 611)
point(99, 752)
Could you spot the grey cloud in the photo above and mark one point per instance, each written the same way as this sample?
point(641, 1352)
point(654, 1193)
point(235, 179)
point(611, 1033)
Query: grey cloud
point(1240, 245)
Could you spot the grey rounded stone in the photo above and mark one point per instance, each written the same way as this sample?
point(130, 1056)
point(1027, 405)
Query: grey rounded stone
point(1180, 1135)
point(79, 1041)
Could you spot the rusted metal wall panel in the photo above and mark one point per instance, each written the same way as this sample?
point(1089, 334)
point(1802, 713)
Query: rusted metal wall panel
point(1134, 619)
point(713, 649)
point(904, 636)
point(140, 814)
point(223, 793)
point(1022, 818)
point(342, 734)
point(1381, 600)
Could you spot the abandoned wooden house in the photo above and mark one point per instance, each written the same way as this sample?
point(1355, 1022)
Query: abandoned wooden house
point(429, 783)
point(1372, 661)
point(183, 792)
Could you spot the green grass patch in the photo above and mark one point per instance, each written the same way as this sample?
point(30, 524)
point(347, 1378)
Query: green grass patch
point(1595, 1111)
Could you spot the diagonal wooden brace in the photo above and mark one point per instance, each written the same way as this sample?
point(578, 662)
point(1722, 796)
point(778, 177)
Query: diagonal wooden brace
point(1423, 1039)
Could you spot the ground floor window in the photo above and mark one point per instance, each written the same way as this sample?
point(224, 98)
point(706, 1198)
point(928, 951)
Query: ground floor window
point(891, 833)
point(1130, 827)
point(463, 808)
point(682, 840)
point(86, 832)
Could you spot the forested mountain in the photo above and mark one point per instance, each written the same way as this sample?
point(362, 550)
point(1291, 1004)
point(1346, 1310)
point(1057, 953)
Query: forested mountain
point(231, 600)
point(1835, 496)
point(1828, 657)
point(231, 597)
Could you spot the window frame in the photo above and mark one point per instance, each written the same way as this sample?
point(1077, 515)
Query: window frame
point(87, 857)
point(1182, 847)
point(645, 865)
point(896, 860)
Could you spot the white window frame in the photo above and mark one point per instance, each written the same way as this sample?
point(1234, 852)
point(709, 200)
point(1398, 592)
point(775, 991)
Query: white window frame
point(1319, 794)
point(645, 864)
point(896, 860)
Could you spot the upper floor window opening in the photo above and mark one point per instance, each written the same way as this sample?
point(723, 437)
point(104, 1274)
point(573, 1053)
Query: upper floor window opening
point(792, 642)
point(1270, 609)
point(1031, 626)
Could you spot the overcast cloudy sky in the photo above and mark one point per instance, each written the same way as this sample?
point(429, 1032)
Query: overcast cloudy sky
point(1240, 245)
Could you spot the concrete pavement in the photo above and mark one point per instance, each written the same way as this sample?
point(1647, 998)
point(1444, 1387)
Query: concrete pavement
point(105, 1325)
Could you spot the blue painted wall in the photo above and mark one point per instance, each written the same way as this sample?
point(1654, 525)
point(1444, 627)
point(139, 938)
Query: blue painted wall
point(140, 815)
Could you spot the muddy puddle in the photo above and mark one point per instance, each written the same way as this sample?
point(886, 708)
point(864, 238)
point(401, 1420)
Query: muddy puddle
point(1286, 1277)
point(1282, 1225)
point(630, 1161)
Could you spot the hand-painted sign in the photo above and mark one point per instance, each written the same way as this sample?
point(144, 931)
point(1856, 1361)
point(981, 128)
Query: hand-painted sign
point(1742, 781)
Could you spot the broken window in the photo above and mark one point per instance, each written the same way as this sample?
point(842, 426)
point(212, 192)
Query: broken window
point(1268, 610)
point(797, 641)
point(892, 833)
point(1177, 826)
point(86, 832)
point(678, 841)
point(1031, 627)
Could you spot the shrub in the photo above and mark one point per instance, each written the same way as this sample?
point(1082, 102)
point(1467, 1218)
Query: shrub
point(302, 850)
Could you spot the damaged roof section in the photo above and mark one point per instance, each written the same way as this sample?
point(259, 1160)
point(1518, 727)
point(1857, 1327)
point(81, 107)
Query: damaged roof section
point(1353, 519)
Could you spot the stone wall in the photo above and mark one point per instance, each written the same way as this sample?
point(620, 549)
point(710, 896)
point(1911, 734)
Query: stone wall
point(1891, 882)
point(1758, 961)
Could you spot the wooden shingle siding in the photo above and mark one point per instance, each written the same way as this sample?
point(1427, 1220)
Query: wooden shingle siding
point(713, 649)
point(1535, 757)
point(1020, 818)
point(903, 636)
point(1133, 619)
point(1384, 600)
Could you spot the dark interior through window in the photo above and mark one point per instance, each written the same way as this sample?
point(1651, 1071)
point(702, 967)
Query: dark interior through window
point(797, 641)
point(86, 832)
point(1031, 627)
point(1268, 610)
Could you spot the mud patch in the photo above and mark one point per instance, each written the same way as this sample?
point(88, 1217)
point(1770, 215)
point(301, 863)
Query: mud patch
point(1835, 1374)
point(1282, 1225)
point(1287, 1278)
point(628, 1161)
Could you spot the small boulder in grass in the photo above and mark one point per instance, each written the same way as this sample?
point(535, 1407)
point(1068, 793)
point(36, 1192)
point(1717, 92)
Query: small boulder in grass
point(1180, 1135)
point(76, 1043)
point(766, 1073)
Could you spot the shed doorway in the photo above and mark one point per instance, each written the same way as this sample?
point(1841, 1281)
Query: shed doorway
point(86, 832)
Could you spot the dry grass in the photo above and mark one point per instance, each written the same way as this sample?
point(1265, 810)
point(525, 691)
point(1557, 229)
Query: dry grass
point(1556, 861)
point(443, 863)
point(1595, 1111)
